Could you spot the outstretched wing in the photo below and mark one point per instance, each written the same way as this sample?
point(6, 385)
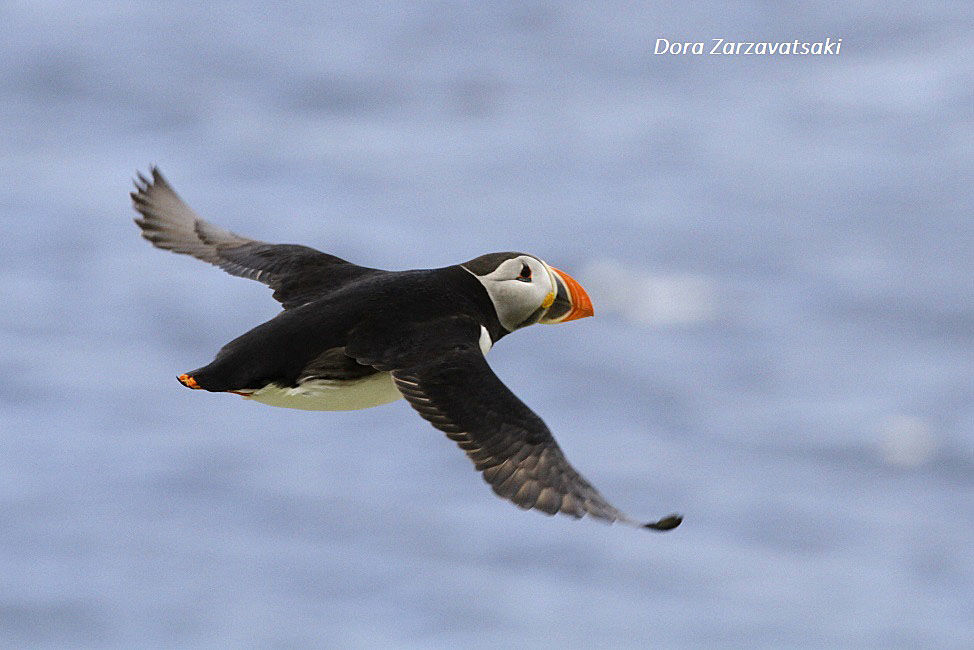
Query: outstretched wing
point(443, 375)
point(296, 273)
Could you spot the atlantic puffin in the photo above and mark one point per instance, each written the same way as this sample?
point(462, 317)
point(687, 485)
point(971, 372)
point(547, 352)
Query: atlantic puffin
point(353, 337)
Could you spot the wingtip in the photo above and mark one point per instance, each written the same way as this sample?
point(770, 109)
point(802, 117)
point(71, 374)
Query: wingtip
point(666, 523)
point(142, 182)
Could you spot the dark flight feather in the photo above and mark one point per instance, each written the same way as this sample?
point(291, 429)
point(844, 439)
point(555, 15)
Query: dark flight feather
point(298, 274)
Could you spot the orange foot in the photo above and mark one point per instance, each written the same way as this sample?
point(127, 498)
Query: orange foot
point(188, 381)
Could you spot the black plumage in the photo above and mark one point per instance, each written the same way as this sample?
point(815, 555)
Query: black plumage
point(346, 323)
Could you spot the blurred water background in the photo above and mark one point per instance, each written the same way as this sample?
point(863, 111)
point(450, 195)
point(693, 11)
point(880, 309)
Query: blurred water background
point(779, 251)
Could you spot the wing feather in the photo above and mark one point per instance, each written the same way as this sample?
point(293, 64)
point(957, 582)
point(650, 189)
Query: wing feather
point(455, 390)
point(296, 273)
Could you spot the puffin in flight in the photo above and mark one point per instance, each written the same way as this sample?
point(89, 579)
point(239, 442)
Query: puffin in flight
point(352, 337)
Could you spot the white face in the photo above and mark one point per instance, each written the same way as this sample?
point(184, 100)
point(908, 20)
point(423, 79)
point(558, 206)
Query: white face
point(521, 288)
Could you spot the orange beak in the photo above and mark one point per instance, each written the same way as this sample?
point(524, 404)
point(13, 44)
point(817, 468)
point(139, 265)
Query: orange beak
point(581, 303)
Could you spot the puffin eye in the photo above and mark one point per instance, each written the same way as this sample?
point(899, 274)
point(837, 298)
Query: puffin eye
point(525, 275)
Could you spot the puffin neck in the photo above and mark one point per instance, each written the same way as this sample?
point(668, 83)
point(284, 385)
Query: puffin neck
point(480, 301)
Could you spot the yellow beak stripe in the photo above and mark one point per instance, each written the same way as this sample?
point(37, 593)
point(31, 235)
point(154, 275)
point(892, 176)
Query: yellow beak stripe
point(550, 298)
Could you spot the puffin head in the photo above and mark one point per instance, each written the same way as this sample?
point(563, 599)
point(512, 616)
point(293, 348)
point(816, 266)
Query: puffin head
point(525, 290)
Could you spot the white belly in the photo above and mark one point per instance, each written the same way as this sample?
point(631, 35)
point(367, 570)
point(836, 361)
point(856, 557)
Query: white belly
point(330, 395)
point(339, 395)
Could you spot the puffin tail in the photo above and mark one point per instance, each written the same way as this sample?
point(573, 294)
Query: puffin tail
point(216, 378)
point(187, 380)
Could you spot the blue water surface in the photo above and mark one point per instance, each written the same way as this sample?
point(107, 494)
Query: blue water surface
point(779, 250)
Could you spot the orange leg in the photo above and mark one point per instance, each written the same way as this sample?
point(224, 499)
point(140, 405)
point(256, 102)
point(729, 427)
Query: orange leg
point(189, 382)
